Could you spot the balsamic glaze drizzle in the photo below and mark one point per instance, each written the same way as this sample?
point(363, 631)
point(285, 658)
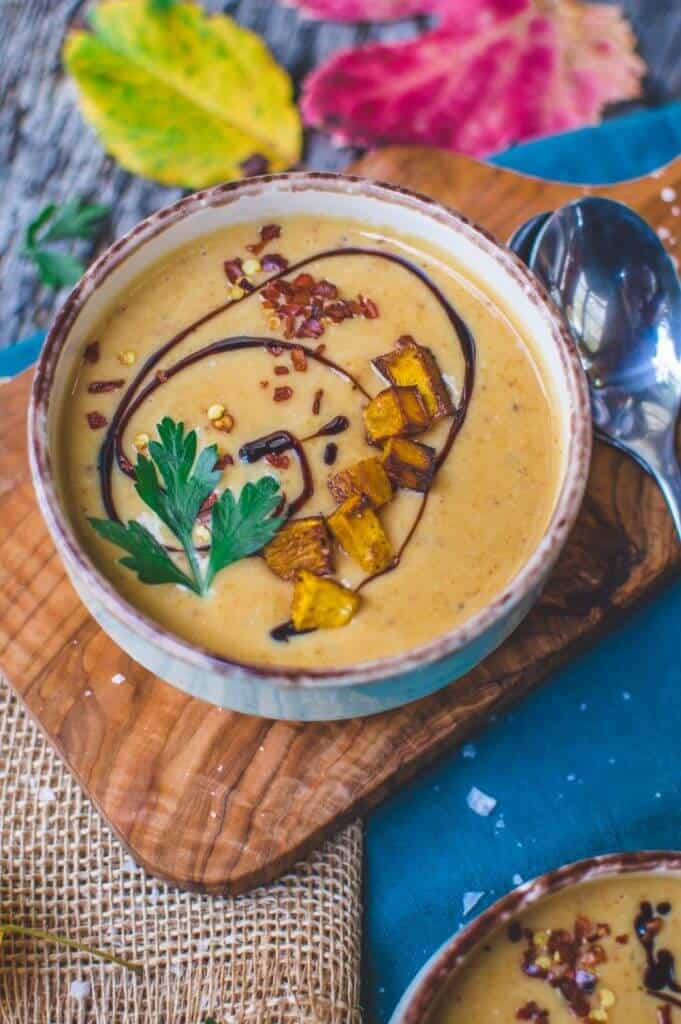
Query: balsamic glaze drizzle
point(137, 393)
point(660, 972)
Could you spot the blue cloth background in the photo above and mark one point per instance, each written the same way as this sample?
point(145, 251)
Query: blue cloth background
point(590, 763)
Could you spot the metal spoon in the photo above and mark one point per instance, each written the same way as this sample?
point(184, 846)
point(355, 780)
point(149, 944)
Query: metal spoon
point(522, 240)
point(607, 270)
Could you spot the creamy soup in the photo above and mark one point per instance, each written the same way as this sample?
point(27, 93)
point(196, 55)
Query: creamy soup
point(253, 334)
point(600, 951)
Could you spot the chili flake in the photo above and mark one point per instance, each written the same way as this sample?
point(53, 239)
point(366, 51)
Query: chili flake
point(96, 420)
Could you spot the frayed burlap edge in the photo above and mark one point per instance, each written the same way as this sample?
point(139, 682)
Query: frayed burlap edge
point(285, 953)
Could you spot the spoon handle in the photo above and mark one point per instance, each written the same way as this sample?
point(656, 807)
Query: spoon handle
point(663, 466)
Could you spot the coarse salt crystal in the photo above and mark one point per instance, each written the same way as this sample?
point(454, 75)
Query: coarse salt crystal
point(118, 679)
point(470, 900)
point(479, 802)
point(79, 989)
point(668, 194)
point(469, 750)
point(517, 879)
point(663, 232)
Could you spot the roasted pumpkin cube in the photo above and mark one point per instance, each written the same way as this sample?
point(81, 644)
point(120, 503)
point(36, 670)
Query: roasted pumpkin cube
point(409, 463)
point(321, 603)
point(359, 532)
point(367, 477)
point(395, 412)
point(300, 544)
point(413, 364)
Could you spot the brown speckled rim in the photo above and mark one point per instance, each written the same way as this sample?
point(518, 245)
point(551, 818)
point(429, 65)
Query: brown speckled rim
point(431, 982)
point(579, 436)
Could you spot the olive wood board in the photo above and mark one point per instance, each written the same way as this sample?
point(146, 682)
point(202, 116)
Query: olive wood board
point(220, 802)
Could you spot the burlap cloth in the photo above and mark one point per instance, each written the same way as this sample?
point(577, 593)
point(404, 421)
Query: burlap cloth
point(284, 953)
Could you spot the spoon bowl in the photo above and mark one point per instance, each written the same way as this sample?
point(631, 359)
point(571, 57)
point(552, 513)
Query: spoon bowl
point(609, 273)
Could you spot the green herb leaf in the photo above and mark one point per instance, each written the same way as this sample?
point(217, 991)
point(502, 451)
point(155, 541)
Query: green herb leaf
point(160, 6)
point(147, 557)
point(75, 219)
point(57, 269)
point(186, 485)
point(242, 528)
point(238, 528)
point(34, 227)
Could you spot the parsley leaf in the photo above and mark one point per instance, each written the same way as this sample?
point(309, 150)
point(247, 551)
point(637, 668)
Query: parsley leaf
point(75, 219)
point(57, 269)
point(187, 485)
point(238, 528)
point(147, 557)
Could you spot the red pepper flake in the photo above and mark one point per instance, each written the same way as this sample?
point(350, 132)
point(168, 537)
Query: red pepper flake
point(405, 340)
point(368, 307)
point(95, 420)
point(100, 387)
point(622, 939)
point(209, 502)
point(325, 289)
point(278, 461)
point(299, 359)
point(310, 328)
point(268, 232)
point(233, 269)
point(305, 281)
point(224, 460)
point(274, 350)
point(274, 261)
point(281, 370)
point(161, 376)
point(320, 349)
point(264, 383)
point(91, 353)
point(533, 1012)
point(125, 464)
point(317, 403)
point(282, 394)
point(289, 327)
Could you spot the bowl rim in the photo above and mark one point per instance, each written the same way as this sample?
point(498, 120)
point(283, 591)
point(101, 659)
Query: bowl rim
point(531, 573)
point(436, 974)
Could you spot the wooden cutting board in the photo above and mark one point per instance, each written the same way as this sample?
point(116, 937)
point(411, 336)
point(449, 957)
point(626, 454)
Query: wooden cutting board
point(218, 801)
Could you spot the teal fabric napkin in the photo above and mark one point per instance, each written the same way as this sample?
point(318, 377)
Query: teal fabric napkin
point(590, 763)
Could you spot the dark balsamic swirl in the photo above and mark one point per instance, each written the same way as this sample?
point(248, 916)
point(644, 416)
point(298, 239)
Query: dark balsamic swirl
point(138, 392)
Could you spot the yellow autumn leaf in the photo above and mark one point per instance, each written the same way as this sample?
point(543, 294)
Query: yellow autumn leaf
point(181, 96)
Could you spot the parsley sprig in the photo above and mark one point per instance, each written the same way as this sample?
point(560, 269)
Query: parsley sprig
point(74, 219)
point(238, 527)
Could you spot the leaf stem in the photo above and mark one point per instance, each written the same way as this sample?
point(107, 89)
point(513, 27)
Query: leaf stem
point(200, 585)
point(60, 940)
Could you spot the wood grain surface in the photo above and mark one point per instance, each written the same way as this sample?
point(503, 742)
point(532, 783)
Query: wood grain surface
point(218, 801)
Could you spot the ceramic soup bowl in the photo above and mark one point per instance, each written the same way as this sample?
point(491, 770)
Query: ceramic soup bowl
point(424, 996)
point(364, 688)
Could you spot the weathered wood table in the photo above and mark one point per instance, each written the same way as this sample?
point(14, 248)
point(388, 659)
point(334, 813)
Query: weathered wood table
point(48, 154)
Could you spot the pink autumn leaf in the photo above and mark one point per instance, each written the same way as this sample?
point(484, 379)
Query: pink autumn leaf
point(365, 10)
point(491, 73)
